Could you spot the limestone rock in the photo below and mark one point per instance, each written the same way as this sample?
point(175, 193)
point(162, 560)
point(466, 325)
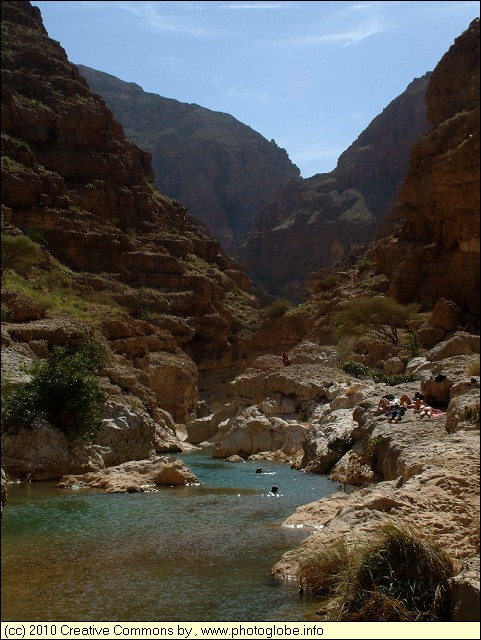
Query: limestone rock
point(16, 366)
point(173, 379)
point(125, 434)
point(446, 315)
point(419, 474)
point(393, 366)
point(38, 453)
point(456, 346)
point(142, 475)
point(328, 440)
point(235, 458)
point(43, 452)
point(464, 593)
point(463, 410)
point(252, 431)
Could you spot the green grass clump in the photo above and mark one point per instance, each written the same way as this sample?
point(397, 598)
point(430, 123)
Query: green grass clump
point(399, 576)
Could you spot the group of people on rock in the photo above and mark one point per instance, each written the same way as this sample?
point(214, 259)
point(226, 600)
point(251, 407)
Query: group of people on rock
point(396, 408)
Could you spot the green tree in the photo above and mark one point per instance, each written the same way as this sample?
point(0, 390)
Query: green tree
point(378, 316)
point(63, 390)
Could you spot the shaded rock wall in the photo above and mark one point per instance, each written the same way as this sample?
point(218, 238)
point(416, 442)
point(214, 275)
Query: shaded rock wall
point(435, 252)
point(315, 222)
point(221, 169)
point(70, 175)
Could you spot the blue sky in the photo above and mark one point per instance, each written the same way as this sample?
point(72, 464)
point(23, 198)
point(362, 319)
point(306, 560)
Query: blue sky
point(311, 75)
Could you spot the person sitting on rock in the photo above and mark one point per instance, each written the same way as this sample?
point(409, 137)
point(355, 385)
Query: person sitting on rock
point(419, 405)
point(418, 398)
point(387, 402)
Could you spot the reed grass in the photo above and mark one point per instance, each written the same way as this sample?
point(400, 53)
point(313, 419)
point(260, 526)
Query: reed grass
point(398, 576)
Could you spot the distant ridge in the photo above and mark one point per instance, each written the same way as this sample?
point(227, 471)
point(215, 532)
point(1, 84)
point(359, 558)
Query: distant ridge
point(316, 221)
point(220, 169)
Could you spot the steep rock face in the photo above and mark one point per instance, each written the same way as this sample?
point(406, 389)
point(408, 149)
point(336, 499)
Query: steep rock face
point(435, 252)
point(69, 174)
point(221, 169)
point(315, 222)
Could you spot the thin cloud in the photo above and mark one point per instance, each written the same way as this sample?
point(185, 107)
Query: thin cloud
point(150, 16)
point(257, 5)
point(347, 37)
point(443, 7)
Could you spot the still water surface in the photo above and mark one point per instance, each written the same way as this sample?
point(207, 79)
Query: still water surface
point(199, 553)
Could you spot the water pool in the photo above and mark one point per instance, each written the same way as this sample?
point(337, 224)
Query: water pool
point(198, 553)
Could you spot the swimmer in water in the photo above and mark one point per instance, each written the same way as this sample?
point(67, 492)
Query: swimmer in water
point(274, 490)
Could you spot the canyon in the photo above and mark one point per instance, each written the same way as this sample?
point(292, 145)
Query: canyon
point(194, 356)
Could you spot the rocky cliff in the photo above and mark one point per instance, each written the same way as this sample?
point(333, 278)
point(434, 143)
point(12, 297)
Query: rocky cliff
point(315, 222)
point(117, 261)
point(73, 182)
point(221, 169)
point(435, 251)
point(123, 263)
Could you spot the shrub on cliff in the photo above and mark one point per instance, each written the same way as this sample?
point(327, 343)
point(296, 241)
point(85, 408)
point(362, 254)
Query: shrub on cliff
point(19, 254)
point(362, 371)
point(378, 316)
point(398, 576)
point(277, 308)
point(63, 390)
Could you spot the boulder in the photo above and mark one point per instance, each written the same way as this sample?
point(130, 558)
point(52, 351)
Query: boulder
point(329, 438)
point(463, 593)
point(393, 366)
point(252, 432)
point(455, 346)
point(463, 411)
point(130, 477)
point(446, 315)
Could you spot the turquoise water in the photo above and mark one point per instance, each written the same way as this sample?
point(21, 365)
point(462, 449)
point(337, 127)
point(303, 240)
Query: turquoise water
point(199, 553)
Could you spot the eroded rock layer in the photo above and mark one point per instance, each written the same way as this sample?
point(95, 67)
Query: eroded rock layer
point(435, 252)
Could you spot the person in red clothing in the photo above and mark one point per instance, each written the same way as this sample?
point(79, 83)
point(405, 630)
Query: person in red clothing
point(285, 359)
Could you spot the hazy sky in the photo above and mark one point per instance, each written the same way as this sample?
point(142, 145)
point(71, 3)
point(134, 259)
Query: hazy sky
point(311, 75)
